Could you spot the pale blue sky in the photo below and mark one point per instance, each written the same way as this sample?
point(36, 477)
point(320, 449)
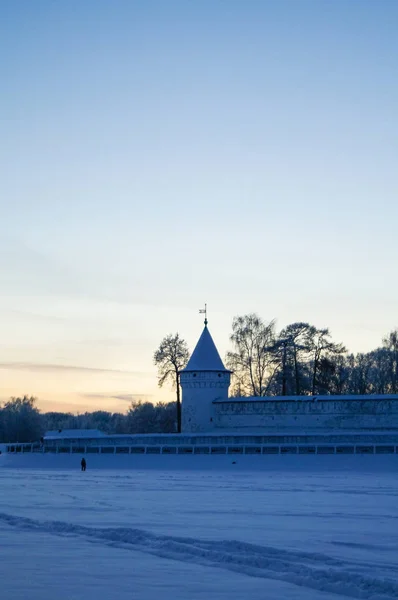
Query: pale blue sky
point(159, 154)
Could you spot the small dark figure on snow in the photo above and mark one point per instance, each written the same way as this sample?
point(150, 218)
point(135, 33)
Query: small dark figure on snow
point(83, 464)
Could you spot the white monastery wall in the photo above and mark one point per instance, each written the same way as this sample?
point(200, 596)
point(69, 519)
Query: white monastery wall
point(341, 414)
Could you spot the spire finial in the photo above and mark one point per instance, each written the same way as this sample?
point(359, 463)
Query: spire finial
point(203, 311)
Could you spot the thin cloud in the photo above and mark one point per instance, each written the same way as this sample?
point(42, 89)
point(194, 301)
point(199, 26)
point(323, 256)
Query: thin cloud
point(115, 396)
point(17, 366)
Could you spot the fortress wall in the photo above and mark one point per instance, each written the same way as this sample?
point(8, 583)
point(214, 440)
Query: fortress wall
point(341, 414)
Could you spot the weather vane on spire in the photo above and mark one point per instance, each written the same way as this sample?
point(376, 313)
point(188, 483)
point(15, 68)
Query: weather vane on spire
point(203, 311)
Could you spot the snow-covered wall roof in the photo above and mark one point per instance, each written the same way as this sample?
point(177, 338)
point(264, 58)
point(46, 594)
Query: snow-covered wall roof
point(330, 398)
point(73, 433)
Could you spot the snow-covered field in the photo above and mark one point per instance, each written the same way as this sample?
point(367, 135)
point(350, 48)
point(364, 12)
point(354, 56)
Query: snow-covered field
point(187, 528)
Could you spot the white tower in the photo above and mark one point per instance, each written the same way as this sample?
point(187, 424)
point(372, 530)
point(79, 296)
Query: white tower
point(203, 380)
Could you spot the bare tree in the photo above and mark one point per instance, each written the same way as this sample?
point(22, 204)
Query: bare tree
point(146, 417)
point(172, 356)
point(296, 342)
point(391, 343)
point(380, 371)
point(20, 420)
point(323, 350)
point(253, 357)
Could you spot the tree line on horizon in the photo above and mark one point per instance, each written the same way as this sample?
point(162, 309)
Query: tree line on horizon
point(298, 360)
point(304, 360)
point(22, 421)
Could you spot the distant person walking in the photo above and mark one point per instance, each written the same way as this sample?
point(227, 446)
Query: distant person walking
point(83, 464)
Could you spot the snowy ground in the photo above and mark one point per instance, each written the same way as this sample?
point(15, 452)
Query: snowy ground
point(188, 528)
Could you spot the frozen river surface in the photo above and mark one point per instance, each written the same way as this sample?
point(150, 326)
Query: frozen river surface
point(302, 531)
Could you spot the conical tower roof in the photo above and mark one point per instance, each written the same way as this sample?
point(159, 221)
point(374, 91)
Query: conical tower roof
point(205, 357)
